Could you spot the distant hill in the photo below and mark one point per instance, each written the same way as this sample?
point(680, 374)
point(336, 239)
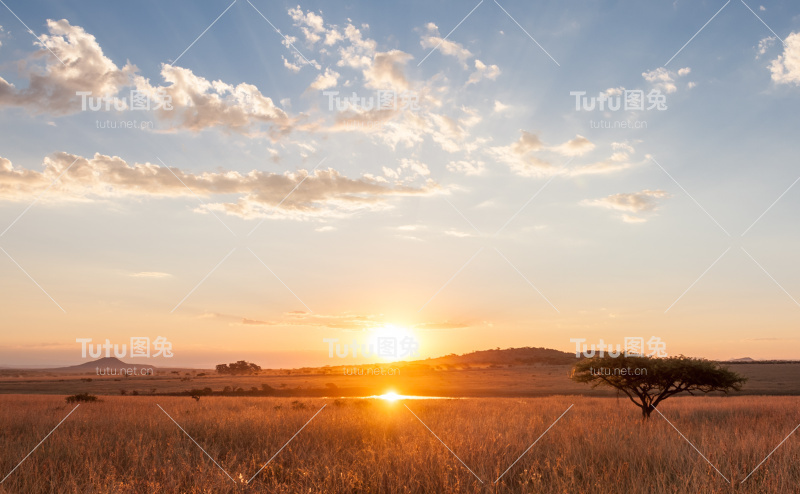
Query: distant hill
point(508, 356)
point(103, 363)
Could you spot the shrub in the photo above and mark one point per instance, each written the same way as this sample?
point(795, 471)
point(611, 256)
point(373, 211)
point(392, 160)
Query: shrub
point(82, 397)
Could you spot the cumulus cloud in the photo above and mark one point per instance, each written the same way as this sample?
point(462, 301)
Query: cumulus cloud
point(575, 147)
point(82, 67)
point(257, 193)
point(431, 39)
point(634, 203)
point(500, 107)
point(196, 103)
point(409, 170)
point(294, 67)
point(387, 71)
point(619, 160)
point(786, 68)
point(358, 51)
point(326, 80)
point(310, 24)
point(483, 71)
point(765, 44)
point(664, 80)
point(524, 155)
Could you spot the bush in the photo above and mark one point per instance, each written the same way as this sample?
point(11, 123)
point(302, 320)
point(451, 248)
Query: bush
point(239, 368)
point(82, 397)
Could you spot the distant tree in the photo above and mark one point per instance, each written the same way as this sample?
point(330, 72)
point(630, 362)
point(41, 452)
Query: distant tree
point(239, 368)
point(647, 381)
point(82, 398)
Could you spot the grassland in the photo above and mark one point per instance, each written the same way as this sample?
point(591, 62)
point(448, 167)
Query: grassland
point(127, 444)
point(469, 381)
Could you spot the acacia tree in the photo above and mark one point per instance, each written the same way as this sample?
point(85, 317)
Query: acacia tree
point(647, 381)
point(238, 368)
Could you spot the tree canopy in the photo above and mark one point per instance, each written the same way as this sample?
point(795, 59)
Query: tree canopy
point(238, 368)
point(647, 381)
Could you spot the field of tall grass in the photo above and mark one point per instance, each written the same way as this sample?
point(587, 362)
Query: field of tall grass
point(129, 445)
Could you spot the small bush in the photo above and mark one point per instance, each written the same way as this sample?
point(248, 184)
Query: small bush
point(82, 398)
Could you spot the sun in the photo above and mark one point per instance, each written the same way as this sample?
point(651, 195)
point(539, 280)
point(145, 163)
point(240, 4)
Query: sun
point(391, 396)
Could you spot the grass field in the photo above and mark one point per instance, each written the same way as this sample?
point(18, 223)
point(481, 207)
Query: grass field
point(514, 381)
point(129, 445)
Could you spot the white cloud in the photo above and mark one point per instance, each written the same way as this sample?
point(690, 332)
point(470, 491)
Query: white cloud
point(257, 193)
point(635, 203)
point(359, 52)
point(575, 147)
point(519, 156)
point(619, 160)
point(522, 156)
point(483, 71)
point(431, 39)
point(663, 79)
point(310, 24)
point(291, 66)
point(386, 71)
point(786, 68)
point(197, 103)
point(416, 167)
point(52, 87)
point(453, 232)
point(325, 80)
point(500, 107)
point(411, 228)
point(200, 104)
point(467, 167)
point(150, 274)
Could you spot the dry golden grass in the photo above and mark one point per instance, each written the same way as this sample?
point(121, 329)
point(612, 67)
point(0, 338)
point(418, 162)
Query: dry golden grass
point(128, 445)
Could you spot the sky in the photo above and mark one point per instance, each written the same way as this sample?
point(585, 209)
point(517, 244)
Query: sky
point(254, 180)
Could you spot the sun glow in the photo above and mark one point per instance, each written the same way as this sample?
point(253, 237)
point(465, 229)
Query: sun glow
point(404, 339)
point(391, 396)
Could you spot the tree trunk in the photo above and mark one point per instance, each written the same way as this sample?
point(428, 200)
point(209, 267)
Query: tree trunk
point(646, 411)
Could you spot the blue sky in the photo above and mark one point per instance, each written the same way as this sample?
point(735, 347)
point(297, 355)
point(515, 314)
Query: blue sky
point(394, 224)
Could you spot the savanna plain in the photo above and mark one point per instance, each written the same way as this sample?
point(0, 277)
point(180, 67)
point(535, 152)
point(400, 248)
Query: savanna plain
point(146, 444)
